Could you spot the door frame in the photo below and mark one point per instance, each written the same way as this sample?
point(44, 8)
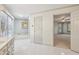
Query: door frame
point(54, 27)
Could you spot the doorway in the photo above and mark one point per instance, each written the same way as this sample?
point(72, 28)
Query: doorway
point(62, 31)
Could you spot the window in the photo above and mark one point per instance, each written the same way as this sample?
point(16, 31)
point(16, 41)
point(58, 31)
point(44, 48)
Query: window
point(63, 27)
point(63, 23)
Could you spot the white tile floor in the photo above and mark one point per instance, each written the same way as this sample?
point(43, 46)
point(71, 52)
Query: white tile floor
point(25, 47)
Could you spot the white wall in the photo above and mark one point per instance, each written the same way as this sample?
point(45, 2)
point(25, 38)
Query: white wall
point(55, 28)
point(2, 7)
point(31, 28)
point(75, 30)
point(46, 30)
point(48, 26)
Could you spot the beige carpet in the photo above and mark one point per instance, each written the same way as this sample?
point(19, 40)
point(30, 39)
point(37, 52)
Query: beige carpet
point(62, 42)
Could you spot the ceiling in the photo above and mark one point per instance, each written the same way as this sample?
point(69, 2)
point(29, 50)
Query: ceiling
point(62, 17)
point(22, 11)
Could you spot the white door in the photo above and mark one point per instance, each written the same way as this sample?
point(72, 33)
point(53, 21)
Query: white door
point(75, 30)
point(38, 29)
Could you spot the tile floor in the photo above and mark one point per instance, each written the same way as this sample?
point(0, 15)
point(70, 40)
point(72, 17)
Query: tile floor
point(25, 47)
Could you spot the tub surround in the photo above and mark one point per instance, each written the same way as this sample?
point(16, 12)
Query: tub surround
point(6, 45)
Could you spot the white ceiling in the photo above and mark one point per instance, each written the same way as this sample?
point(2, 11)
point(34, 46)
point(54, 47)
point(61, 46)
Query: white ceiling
point(24, 10)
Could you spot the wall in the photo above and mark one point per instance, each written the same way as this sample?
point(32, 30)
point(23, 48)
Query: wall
point(31, 28)
point(75, 30)
point(55, 28)
point(48, 26)
point(2, 7)
point(18, 27)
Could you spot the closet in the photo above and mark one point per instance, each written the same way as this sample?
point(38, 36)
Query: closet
point(38, 30)
point(41, 28)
